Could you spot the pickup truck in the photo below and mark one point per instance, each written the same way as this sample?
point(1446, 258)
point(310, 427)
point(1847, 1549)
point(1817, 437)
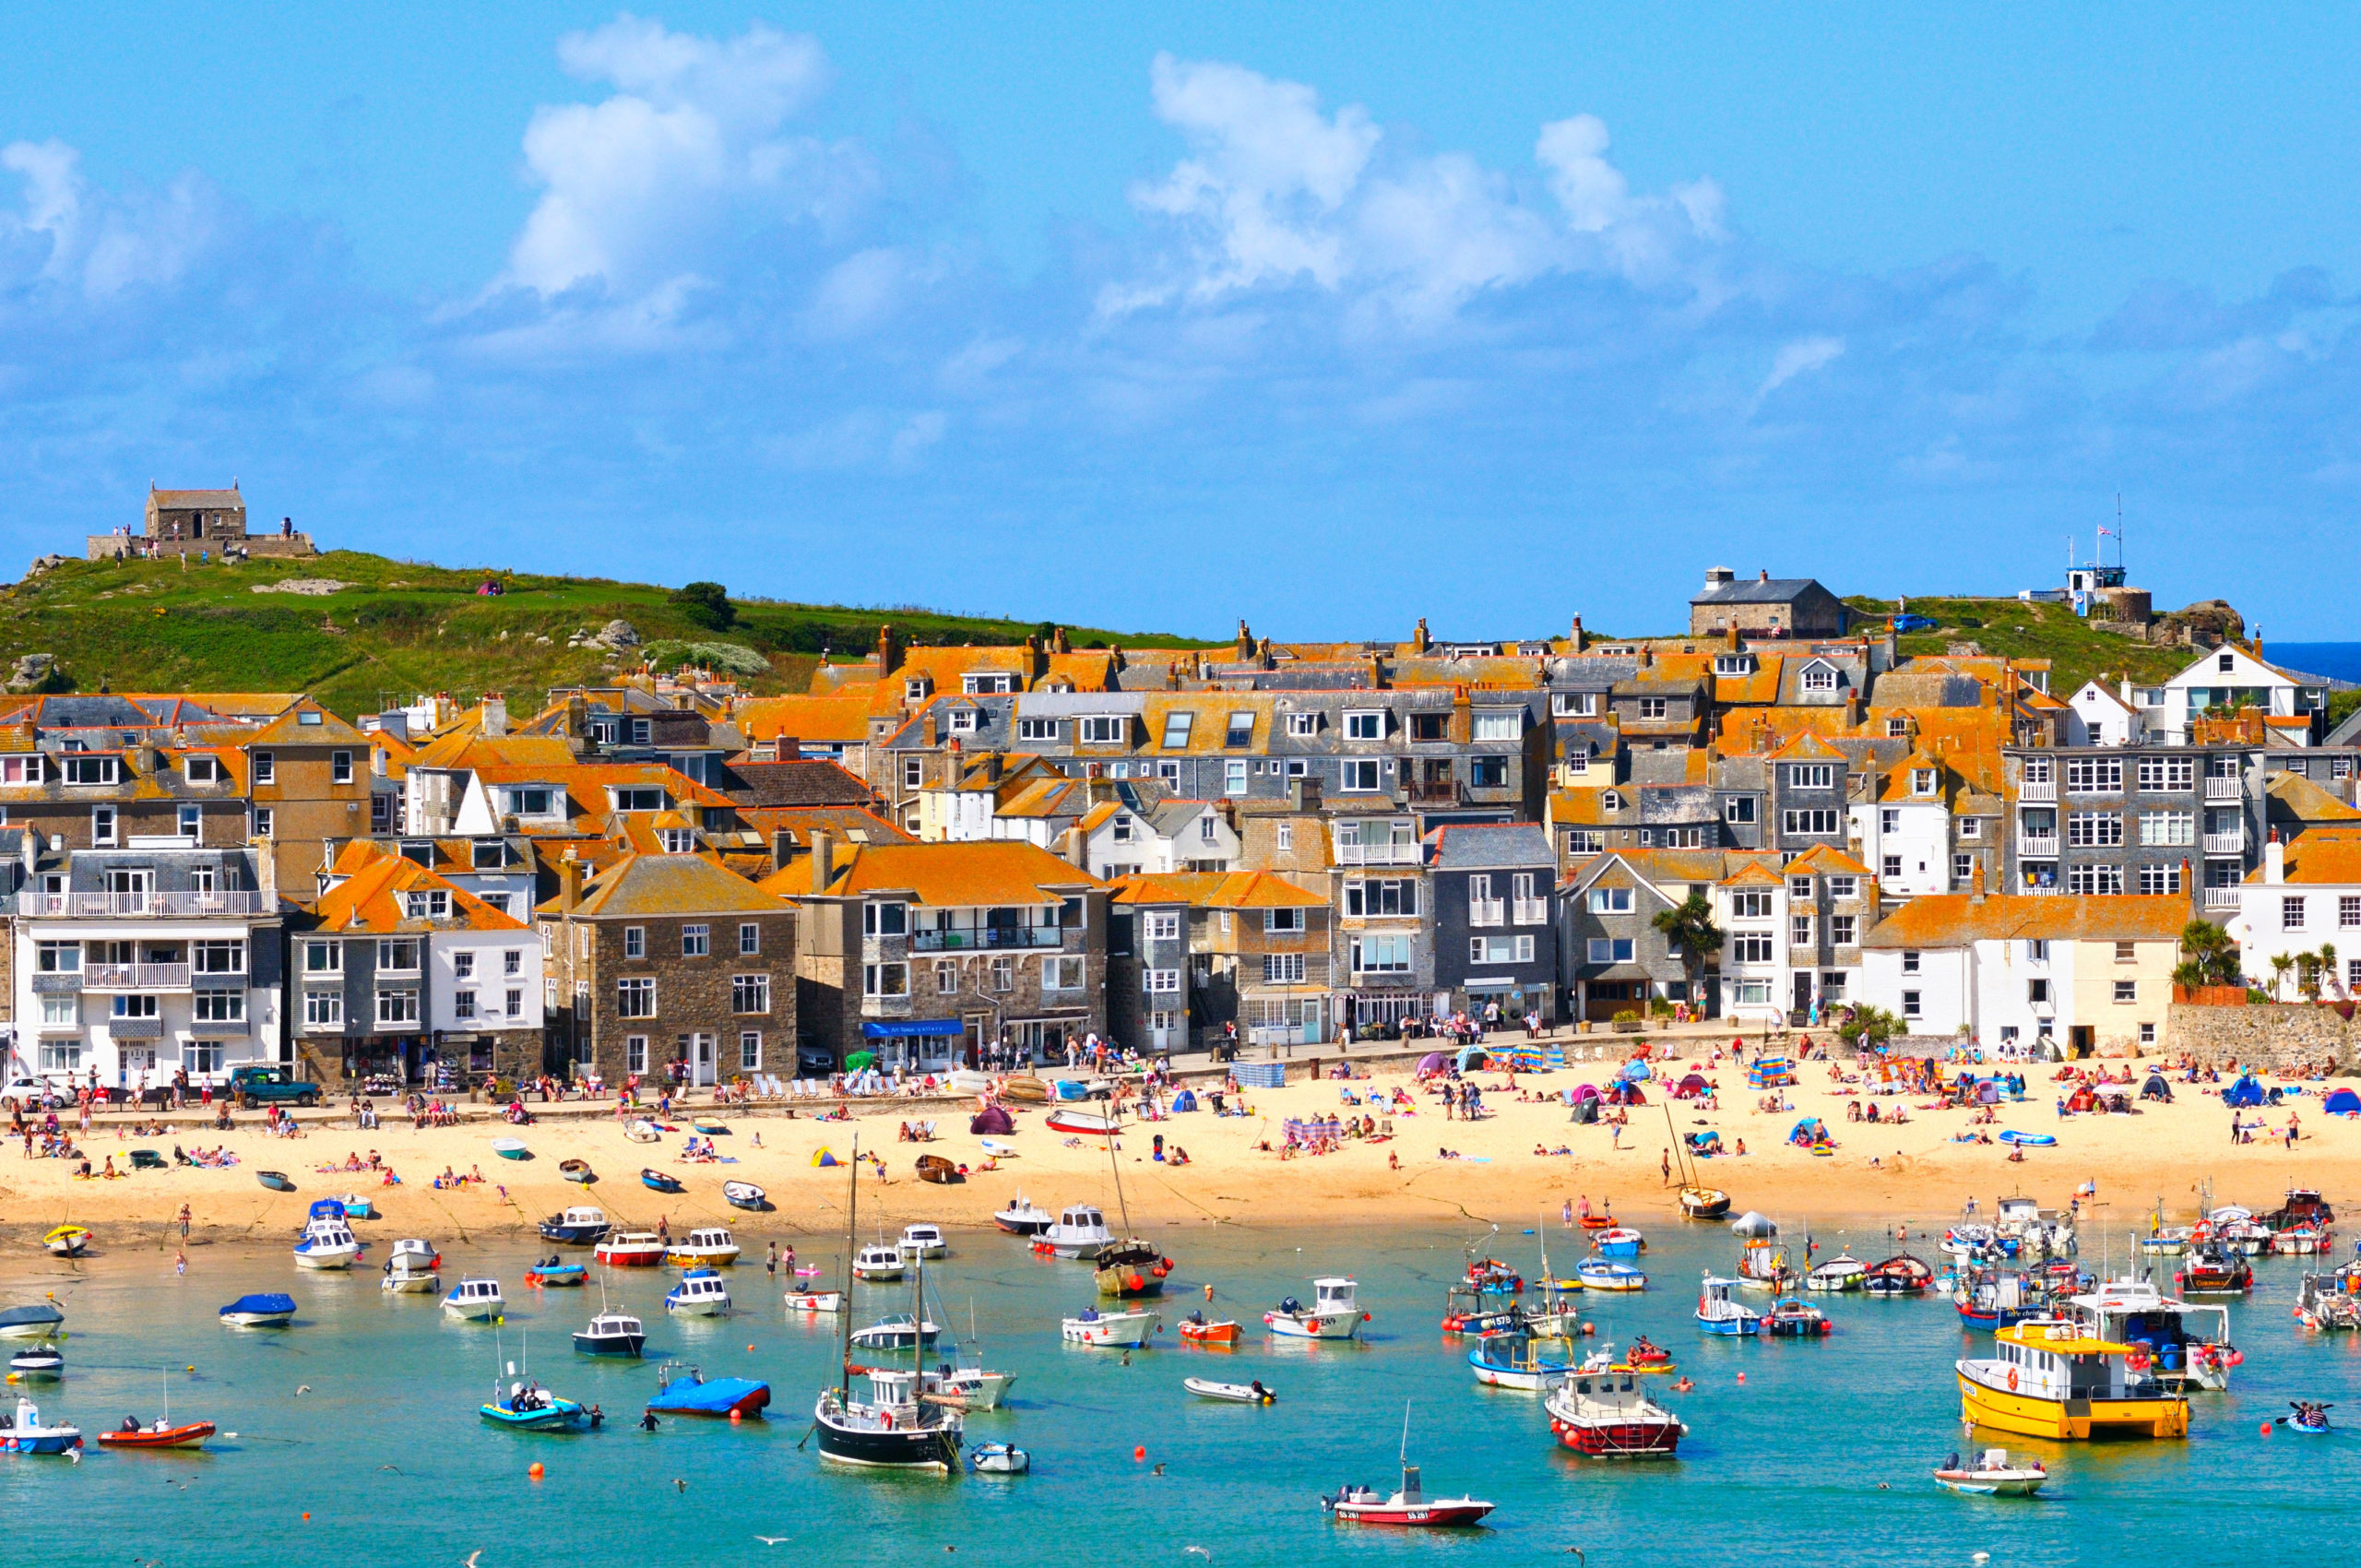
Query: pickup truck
point(252, 1086)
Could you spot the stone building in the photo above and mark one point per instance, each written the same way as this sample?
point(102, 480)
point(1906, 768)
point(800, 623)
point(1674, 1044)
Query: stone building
point(187, 522)
point(1774, 607)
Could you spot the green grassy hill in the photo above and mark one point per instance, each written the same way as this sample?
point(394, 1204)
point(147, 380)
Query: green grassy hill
point(398, 629)
point(2018, 630)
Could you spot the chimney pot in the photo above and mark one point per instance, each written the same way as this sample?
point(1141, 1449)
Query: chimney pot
point(824, 860)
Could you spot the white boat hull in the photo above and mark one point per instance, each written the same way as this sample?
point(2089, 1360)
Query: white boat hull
point(1308, 1325)
point(335, 1258)
point(411, 1284)
point(704, 1306)
point(474, 1311)
point(1112, 1330)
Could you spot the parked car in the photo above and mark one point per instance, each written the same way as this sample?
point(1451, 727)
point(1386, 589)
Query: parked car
point(252, 1086)
point(23, 1093)
point(1914, 623)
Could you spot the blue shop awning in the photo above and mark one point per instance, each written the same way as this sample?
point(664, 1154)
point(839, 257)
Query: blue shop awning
point(905, 1028)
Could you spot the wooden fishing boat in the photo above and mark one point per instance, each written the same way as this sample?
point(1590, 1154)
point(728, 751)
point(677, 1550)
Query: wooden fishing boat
point(1607, 1274)
point(1232, 1393)
point(2049, 1379)
point(657, 1181)
point(942, 1172)
point(2213, 1268)
point(1720, 1312)
point(188, 1434)
point(708, 1126)
point(1195, 1330)
point(1024, 1090)
point(1509, 1361)
point(1125, 1270)
point(1703, 1202)
point(1901, 1274)
point(577, 1170)
point(1791, 1318)
point(642, 1131)
point(275, 1180)
point(67, 1241)
point(745, 1196)
point(894, 1427)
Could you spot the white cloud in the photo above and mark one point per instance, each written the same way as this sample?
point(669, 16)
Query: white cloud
point(646, 190)
point(99, 243)
point(1801, 357)
point(860, 292)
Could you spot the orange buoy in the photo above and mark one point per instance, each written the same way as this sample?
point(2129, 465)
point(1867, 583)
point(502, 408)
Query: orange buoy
point(1140, 1451)
point(1741, 1377)
point(307, 1516)
point(2266, 1431)
point(736, 1416)
point(534, 1469)
point(749, 1350)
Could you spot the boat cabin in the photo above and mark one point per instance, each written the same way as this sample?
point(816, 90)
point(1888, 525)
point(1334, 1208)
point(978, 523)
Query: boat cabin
point(473, 1290)
point(710, 1239)
point(583, 1216)
point(1333, 1297)
point(2056, 1362)
point(1082, 1219)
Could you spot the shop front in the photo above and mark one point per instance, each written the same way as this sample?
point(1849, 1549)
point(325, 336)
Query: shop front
point(921, 1045)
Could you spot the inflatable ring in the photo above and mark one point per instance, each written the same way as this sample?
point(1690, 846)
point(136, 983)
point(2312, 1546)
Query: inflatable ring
point(2013, 1380)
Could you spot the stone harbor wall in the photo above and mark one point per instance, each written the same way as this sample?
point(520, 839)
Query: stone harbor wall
point(2274, 1035)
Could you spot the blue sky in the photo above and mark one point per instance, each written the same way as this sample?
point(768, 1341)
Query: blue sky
point(1330, 317)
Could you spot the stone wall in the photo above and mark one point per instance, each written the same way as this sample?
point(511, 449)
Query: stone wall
point(2269, 1035)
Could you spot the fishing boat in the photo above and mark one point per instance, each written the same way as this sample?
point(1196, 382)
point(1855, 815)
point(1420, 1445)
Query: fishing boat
point(1231, 1393)
point(2166, 1241)
point(327, 1244)
point(409, 1275)
point(264, 1310)
point(476, 1299)
point(1333, 1313)
point(2328, 1303)
point(2212, 1269)
point(551, 1273)
point(2049, 1379)
point(24, 1433)
point(1843, 1272)
point(43, 1362)
point(1901, 1274)
point(2304, 1239)
point(1719, 1313)
point(630, 1248)
point(1083, 1123)
point(1991, 1299)
point(2169, 1337)
point(1511, 1360)
point(1792, 1318)
point(893, 1427)
point(1196, 1330)
point(1762, 1265)
point(1407, 1508)
point(923, 1242)
point(1608, 1417)
point(510, 1148)
point(1125, 1270)
point(1993, 1475)
point(1493, 1275)
point(1021, 1218)
point(815, 1300)
point(611, 1334)
point(709, 1247)
point(657, 1181)
point(898, 1331)
point(582, 1227)
point(1621, 1242)
point(1606, 1273)
point(35, 1320)
point(700, 1294)
point(681, 1390)
point(1124, 1328)
point(745, 1196)
point(880, 1262)
point(1466, 1310)
point(67, 1241)
point(1077, 1233)
point(577, 1170)
point(414, 1251)
point(2304, 1207)
point(1970, 1240)
point(275, 1180)
point(998, 1459)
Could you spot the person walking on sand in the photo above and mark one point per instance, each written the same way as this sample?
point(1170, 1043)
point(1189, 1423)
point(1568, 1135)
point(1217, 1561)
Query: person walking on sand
point(1663, 1164)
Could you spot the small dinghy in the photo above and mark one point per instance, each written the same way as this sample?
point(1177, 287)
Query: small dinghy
point(815, 1300)
point(1000, 1459)
point(642, 1132)
point(1993, 1475)
point(529, 1408)
point(577, 1170)
point(476, 1301)
point(700, 1294)
point(359, 1205)
point(1085, 1123)
point(554, 1272)
point(1196, 1330)
point(276, 1181)
point(188, 1434)
point(1606, 1273)
point(745, 1196)
point(2031, 1140)
point(656, 1181)
point(942, 1172)
point(44, 1362)
point(999, 1148)
point(708, 1126)
point(510, 1148)
point(24, 1433)
point(1022, 1219)
point(1620, 1242)
point(1234, 1393)
point(67, 1241)
point(611, 1334)
point(266, 1310)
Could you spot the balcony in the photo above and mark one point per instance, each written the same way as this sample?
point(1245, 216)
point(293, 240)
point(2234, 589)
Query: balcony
point(2050, 891)
point(1378, 854)
point(1432, 792)
point(1488, 911)
point(2223, 789)
point(1529, 911)
point(2037, 846)
point(141, 906)
point(989, 939)
point(2234, 842)
point(2221, 898)
point(62, 983)
point(2044, 789)
point(135, 976)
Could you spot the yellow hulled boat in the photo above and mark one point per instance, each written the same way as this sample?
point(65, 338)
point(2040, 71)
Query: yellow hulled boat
point(2051, 1379)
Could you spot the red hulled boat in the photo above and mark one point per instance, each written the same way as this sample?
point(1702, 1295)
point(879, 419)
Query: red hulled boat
point(189, 1434)
point(1606, 1416)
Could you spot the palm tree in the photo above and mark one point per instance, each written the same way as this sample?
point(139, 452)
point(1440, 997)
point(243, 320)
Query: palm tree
point(2328, 964)
point(2308, 976)
point(2280, 964)
point(2210, 949)
point(1690, 930)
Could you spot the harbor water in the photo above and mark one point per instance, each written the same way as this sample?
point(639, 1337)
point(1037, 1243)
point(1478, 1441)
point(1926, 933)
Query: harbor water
point(357, 1437)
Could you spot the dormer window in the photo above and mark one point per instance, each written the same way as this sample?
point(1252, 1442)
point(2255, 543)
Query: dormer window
point(676, 840)
point(1820, 677)
point(93, 770)
point(993, 684)
point(1734, 664)
point(637, 799)
point(1652, 708)
point(1922, 781)
point(914, 691)
point(432, 904)
point(1574, 705)
point(1365, 726)
point(26, 769)
point(962, 720)
point(201, 769)
point(1037, 729)
point(1099, 730)
point(1609, 801)
point(1496, 726)
point(1303, 725)
point(527, 802)
point(641, 731)
point(1896, 728)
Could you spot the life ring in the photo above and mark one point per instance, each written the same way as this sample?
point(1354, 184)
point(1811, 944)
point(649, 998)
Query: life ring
point(2013, 1380)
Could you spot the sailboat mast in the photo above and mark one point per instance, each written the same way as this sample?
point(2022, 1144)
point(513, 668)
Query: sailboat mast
point(1114, 1165)
point(843, 1317)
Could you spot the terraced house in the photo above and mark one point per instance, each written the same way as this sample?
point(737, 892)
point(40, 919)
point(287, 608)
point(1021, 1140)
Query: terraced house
point(1191, 954)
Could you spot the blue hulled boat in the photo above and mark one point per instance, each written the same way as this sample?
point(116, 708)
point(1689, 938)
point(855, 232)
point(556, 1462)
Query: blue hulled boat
point(23, 1433)
point(682, 1391)
point(525, 1408)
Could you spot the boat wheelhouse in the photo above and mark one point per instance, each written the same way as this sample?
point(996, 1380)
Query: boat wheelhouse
point(709, 1247)
point(580, 1227)
point(2186, 1343)
point(1719, 1313)
point(611, 1334)
point(700, 1294)
point(327, 1244)
point(1608, 1417)
point(475, 1300)
point(880, 1262)
point(1333, 1314)
point(1078, 1232)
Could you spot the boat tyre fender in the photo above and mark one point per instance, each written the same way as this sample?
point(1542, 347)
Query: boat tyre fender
point(2013, 1380)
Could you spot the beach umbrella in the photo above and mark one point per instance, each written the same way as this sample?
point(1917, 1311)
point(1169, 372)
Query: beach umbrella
point(1431, 1063)
point(859, 1060)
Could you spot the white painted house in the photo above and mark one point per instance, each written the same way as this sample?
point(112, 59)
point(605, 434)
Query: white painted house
point(1170, 836)
point(2227, 678)
point(2305, 896)
point(1905, 830)
point(2097, 717)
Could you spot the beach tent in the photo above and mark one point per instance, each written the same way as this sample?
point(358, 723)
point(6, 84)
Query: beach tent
point(2343, 1102)
point(1471, 1056)
point(2157, 1088)
point(1987, 1092)
point(1691, 1086)
point(1431, 1063)
point(1634, 1071)
point(1586, 1110)
point(2244, 1092)
point(825, 1158)
point(991, 1119)
point(1629, 1094)
point(1752, 1225)
point(1704, 1144)
point(1586, 1091)
point(1185, 1101)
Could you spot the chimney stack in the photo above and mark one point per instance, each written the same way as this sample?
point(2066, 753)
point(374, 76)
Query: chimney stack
point(495, 715)
point(569, 884)
point(782, 848)
point(1058, 642)
point(1976, 888)
point(1763, 576)
point(889, 652)
point(824, 860)
point(1580, 640)
point(1245, 641)
point(1419, 637)
point(2274, 861)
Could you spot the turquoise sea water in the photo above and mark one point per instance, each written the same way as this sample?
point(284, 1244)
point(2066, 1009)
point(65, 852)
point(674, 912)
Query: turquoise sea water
point(388, 1456)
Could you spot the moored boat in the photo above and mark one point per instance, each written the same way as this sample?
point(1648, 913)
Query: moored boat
point(43, 1362)
point(1703, 1202)
point(1994, 1475)
point(880, 1262)
point(1901, 1275)
point(611, 1334)
point(1077, 1233)
point(1252, 1393)
point(1409, 1508)
point(815, 1300)
point(2213, 1268)
point(2049, 1379)
point(745, 1196)
point(1719, 1313)
point(1126, 1329)
point(1791, 1318)
point(1124, 1270)
point(1072, 1120)
point(682, 1390)
point(923, 1241)
point(1608, 1417)
point(416, 1253)
point(1335, 1313)
point(700, 1294)
point(1608, 1274)
point(476, 1299)
point(327, 1243)
point(2168, 1339)
point(527, 1406)
point(268, 1309)
point(898, 1331)
point(23, 1432)
point(162, 1433)
point(707, 1246)
point(893, 1427)
point(1196, 1330)
point(554, 1273)
point(1000, 1459)
point(1512, 1361)
point(1020, 1216)
point(1621, 1242)
point(579, 1227)
point(658, 1181)
point(1843, 1272)
point(630, 1248)
point(34, 1320)
point(67, 1241)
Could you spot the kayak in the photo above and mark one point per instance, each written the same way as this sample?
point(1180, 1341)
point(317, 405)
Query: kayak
point(1236, 1393)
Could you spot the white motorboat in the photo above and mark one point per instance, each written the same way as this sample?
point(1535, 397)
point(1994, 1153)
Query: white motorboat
point(1993, 1475)
point(476, 1299)
point(2172, 1333)
point(414, 1253)
point(2166, 1241)
point(899, 1331)
point(1079, 1232)
point(611, 1334)
point(1234, 1393)
point(1333, 1313)
point(710, 1246)
point(1117, 1330)
point(700, 1294)
point(1843, 1272)
point(975, 1388)
point(1969, 1239)
point(1610, 1418)
point(327, 1244)
point(815, 1300)
point(879, 1261)
point(404, 1276)
point(1608, 1274)
point(1022, 1216)
point(923, 1242)
point(1000, 1459)
point(39, 1320)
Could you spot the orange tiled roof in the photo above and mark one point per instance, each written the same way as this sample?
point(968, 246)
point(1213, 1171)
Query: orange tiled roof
point(1216, 890)
point(1952, 920)
point(370, 898)
point(995, 873)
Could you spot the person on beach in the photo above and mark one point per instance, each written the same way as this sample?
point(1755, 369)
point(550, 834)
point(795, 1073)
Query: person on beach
point(770, 1260)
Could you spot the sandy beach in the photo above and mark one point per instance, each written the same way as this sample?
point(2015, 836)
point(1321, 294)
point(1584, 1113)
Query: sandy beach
point(1877, 1175)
